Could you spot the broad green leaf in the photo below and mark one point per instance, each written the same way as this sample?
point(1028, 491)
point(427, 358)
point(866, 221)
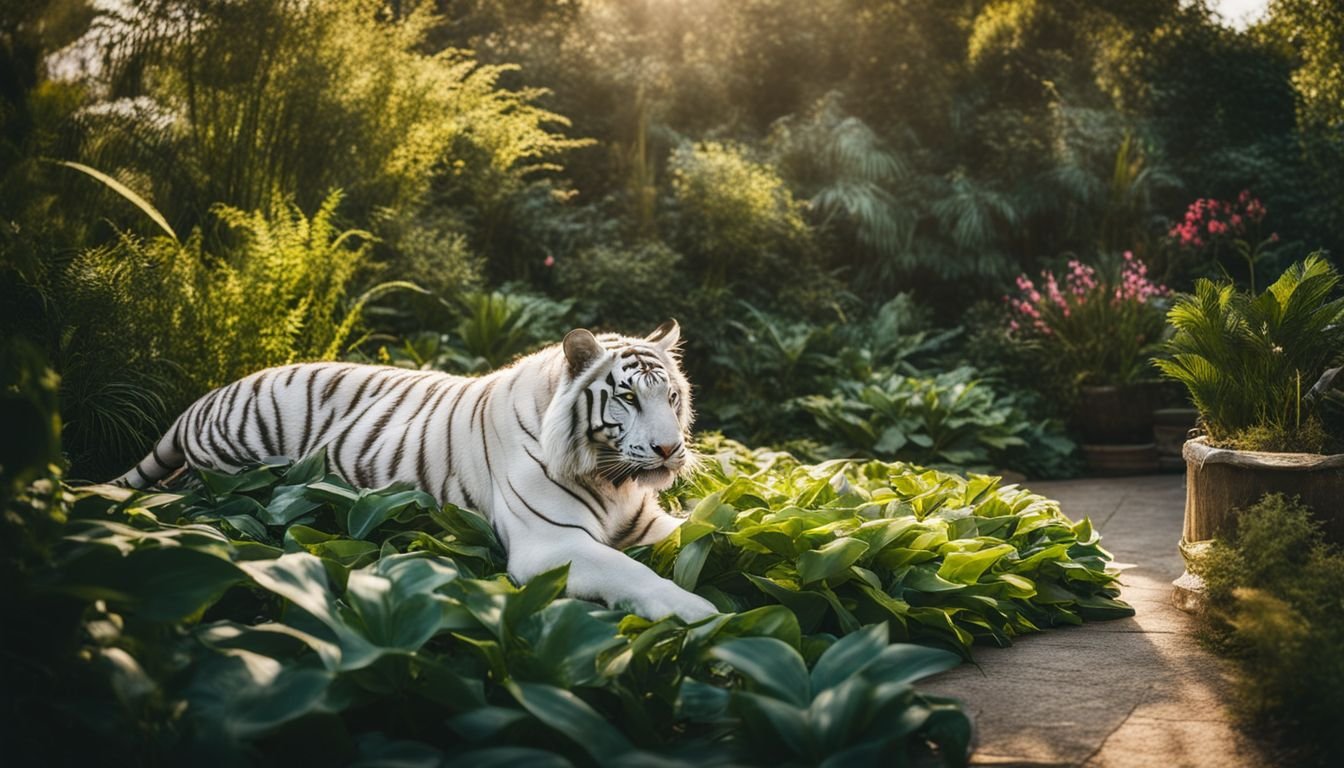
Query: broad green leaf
point(809, 607)
point(966, 567)
point(848, 656)
point(776, 727)
point(690, 561)
point(245, 695)
point(155, 583)
point(566, 642)
point(373, 508)
point(830, 559)
point(771, 666)
point(571, 717)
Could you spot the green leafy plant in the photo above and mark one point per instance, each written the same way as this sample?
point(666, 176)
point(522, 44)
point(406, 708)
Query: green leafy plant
point(493, 328)
point(1250, 361)
point(952, 419)
point(1272, 591)
point(942, 558)
point(281, 609)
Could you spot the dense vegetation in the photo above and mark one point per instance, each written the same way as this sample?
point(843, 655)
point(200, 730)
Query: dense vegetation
point(772, 174)
point(893, 231)
point(280, 612)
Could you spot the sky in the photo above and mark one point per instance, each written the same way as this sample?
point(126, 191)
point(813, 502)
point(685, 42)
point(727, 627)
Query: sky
point(1239, 12)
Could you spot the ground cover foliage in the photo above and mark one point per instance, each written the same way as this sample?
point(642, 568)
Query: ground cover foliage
point(281, 612)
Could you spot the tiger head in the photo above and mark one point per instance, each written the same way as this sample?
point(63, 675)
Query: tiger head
point(624, 410)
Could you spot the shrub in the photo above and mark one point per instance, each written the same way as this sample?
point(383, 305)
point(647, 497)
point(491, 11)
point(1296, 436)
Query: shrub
point(492, 329)
point(1274, 595)
point(1250, 361)
point(948, 420)
point(945, 559)
point(737, 224)
point(151, 324)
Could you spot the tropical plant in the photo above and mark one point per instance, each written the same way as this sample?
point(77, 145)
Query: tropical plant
point(848, 171)
point(1089, 328)
point(272, 101)
point(493, 328)
point(948, 420)
point(1269, 589)
point(1250, 362)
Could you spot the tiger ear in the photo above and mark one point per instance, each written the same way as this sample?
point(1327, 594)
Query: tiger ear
point(665, 336)
point(581, 349)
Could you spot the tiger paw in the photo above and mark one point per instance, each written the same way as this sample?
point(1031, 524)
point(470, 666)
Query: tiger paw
point(670, 599)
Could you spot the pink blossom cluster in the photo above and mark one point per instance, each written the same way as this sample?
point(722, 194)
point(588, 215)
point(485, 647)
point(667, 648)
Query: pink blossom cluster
point(1134, 283)
point(1033, 307)
point(1207, 219)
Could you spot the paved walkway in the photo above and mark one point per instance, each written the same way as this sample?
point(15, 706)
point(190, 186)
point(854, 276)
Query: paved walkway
point(1132, 692)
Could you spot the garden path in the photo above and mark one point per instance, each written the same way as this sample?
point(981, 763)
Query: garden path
point(1132, 692)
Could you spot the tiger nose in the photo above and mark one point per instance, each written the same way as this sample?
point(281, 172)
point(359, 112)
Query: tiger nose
point(664, 450)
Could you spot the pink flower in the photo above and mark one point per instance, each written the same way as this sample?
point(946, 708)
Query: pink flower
point(1255, 210)
point(1217, 227)
point(1273, 237)
point(549, 262)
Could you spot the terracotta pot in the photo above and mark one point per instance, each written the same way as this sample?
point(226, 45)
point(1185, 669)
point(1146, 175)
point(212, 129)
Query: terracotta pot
point(1116, 414)
point(1219, 483)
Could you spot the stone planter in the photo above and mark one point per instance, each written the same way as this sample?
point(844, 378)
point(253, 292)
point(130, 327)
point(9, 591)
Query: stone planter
point(1220, 482)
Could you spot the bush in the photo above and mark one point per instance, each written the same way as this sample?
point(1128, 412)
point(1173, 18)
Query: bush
point(860, 387)
point(492, 329)
point(1274, 595)
point(151, 324)
point(952, 420)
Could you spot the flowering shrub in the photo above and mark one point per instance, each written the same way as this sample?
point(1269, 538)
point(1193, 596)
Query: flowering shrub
point(1089, 328)
point(1212, 228)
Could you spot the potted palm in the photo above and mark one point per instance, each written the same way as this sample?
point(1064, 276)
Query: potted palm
point(1090, 333)
point(1263, 370)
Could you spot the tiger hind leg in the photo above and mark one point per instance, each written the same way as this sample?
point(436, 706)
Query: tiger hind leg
point(165, 460)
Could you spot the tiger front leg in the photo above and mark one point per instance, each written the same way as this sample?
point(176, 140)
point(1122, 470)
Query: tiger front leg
point(596, 571)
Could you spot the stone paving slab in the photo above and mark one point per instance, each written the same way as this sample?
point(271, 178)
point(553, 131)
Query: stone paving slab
point(1115, 694)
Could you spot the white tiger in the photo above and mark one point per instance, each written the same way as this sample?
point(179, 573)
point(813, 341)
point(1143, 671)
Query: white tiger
point(564, 451)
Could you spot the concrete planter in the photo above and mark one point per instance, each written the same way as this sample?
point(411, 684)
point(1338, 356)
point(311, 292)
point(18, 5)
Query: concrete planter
point(1220, 482)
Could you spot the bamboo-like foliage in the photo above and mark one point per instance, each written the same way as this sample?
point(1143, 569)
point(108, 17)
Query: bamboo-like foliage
point(1248, 360)
point(259, 101)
